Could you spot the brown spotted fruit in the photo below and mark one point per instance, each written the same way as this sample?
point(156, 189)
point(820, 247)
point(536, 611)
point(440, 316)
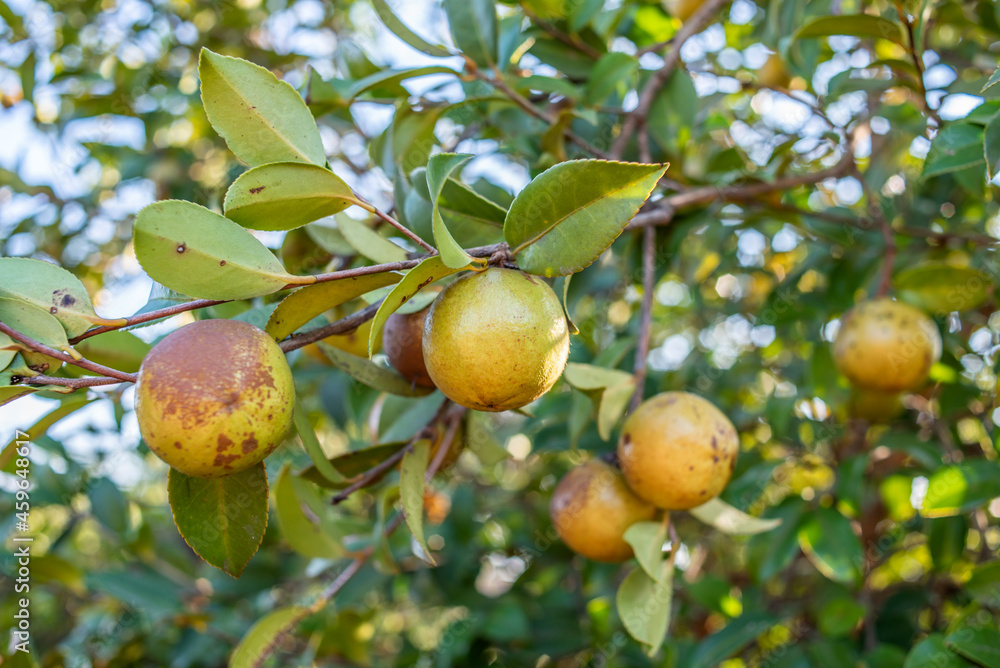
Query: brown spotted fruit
point(214, 397)
point(591, 508)
point(402, 341)
point(677, 450)
point(495, 340)
point(886, 346)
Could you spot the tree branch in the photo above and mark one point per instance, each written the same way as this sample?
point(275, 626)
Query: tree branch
point(646, 317)
point(74, 383)
point(408, 233)
point(150, 316)
point(634, 120)
point(31, 344)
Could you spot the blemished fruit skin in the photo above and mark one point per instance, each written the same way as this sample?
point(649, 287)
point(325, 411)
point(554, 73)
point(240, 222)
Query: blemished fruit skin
point(214, 397)
point(592, 507)
point(496, 340)
point(886, 346)
point(402, 341)
point(677, 450)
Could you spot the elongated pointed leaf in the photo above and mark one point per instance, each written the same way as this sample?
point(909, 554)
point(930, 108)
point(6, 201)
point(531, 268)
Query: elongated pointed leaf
point(430, 270)
point(222, 519)
point(286, 195)
point(953, 490)
point(368, 242)
point(401, 31)
point(7, 351)
point(991, 146)
point(567, 216)
point(354, 463)
point(647, 539)
point(197, 252)
point(35, 323)
point(389, 77)
point(307, 435)
point(832, 546)
point(53, 289)
point(439, 168)
point(644, 606)
point(938, 287)
point(956, 147)
point(261, 118)
point(306, 303)
point(591, 377)
point(993, 80)
point(719, 514)
point(473, 25)
point(306, 534)
point(411, 492)
point(981, 645)
point(856, 25)
point(260, 640)
point(368, 373)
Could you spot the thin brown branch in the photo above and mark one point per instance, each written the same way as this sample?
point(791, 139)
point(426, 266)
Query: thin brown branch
point(74, 383)
point(408, 233)
point(150, 316)
point(455, 420)
point(342, 326)
point(918, 62)
point(31, 344)
point(888, 236)
point(646, 314)
point(569, 40)
point(497, 82)
point(662, 212)
point(634, 120)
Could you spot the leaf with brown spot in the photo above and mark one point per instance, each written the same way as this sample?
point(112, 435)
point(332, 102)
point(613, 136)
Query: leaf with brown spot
point(53, 289)
point(222, 519)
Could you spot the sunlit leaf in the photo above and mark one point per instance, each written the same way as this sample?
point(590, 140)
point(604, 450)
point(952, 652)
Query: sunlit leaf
point(368, 242)
point(257, 643)
point(644, 606)
point(647, 539)
point(719, 514)
point(286, 195)
point(957, 489)
point(440, 167)
point(411, 492)
point(306, 534)
point(35, 323)
point(855, 25)
point(401, 31)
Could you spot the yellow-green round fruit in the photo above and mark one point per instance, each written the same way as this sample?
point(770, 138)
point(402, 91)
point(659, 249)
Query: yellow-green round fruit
point(773, 73)
point(677, 450)
point(886, 346)
point(214, 398)
point(682, 9)
point(402, 341)
point(592, 507)
point(874, 406)
point(496, 340)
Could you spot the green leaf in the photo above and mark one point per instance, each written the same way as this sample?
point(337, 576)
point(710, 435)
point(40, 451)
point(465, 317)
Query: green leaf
point(736, 635)
point(286, 195)
point(614, 69)
point(573, 329)
point(352, 464)
point(109, 505)
point(937, 287)
point(953, 490)
point(263, 636)
point(855, 25)
point(991, 146)
point(329, 237)
point(647, 539)
point(306, 534)
point(222, 519)
point(36, 324)
point(614, 401)
point(306, 303)
point(473, 25)
point(16, 370)
point(439, 168)
point(53, 289)
point(368, 373)
point(981, 645)
point(719, 514)
point(400, 30)
point(840, 616)
point(567, 216)
point(312, 446)
point(8, 349)
point(430, 270)
point(261, 118)
point(368, 242)
point(831, 545)
point(956, 147)
point(993, 81)
point(932, 652)
point(984, 585)
point(411, 491)
point(946, 538)
point(200, 253)
point(391, 76)
point(590, 377)
point(644, 606)
point(117, 349)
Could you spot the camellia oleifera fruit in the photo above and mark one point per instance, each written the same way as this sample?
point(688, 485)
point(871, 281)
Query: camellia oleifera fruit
point(887, 346)
point(677, 450)
point(214, 397)
point(592, 507)
point(495, 340)
point(402, 341)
